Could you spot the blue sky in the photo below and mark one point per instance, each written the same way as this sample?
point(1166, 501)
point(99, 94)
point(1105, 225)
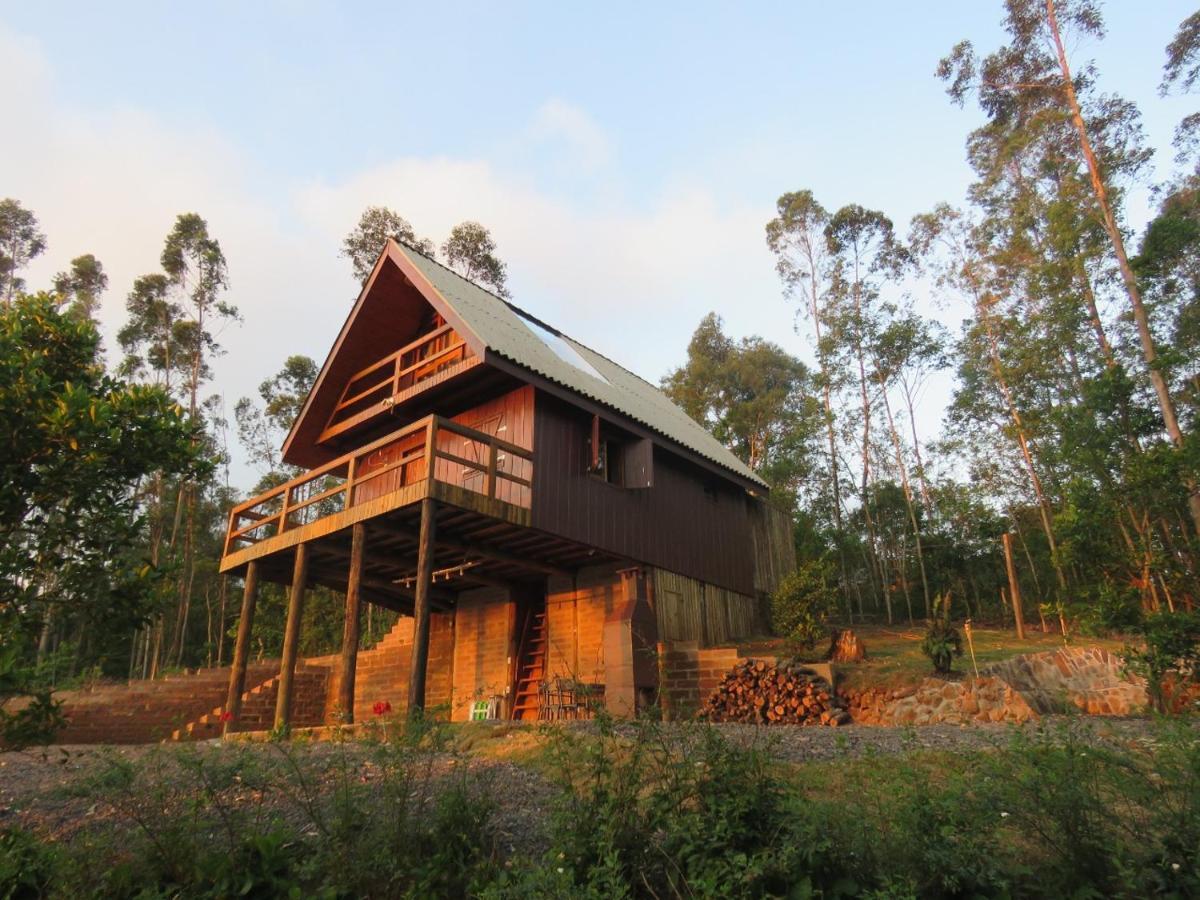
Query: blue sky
point(625, 156)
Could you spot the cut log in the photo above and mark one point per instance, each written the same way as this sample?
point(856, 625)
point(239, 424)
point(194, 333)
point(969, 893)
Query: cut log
point(785, 693)
point(846, 647)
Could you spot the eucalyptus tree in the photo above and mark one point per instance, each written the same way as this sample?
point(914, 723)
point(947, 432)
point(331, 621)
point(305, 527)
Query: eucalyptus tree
point(956, 250)
point(365, 241)
point(171, 337)
point(865, 253)
point(797, 238)
point(82, 285)
point(470, 251)
point(1034, 69)
point(1182, 72)
point(262, 425)
point(21, 240)
point(900, 351)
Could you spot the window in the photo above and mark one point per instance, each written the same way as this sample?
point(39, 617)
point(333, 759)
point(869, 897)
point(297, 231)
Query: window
point(620, 460)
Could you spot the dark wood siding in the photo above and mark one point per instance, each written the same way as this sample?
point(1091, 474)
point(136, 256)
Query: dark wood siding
point(689, 522)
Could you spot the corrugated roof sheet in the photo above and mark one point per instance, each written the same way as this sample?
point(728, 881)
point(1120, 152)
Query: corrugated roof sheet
point(504, 329)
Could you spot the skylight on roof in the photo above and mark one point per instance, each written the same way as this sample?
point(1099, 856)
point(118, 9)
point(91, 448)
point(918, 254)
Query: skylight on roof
point(562, 349)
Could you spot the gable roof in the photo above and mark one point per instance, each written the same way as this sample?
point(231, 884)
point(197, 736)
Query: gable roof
point(495, 327)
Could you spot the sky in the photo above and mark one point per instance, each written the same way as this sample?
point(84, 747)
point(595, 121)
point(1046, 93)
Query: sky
point(626, 157)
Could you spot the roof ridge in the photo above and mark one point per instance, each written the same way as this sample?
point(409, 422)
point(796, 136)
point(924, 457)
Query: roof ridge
point(526, 314)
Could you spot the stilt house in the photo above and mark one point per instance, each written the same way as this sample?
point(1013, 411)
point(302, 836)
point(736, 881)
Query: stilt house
point(532, 509)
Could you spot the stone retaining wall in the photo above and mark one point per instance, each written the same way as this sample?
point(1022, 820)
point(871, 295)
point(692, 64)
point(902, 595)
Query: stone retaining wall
point(1089, 679)
point(935, 701)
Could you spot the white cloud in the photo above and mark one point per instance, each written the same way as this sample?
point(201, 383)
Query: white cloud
point(560, 122)
point(633, 282)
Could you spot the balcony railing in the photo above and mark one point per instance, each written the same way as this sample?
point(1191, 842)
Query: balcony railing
point(379, 386)
point(467, 458)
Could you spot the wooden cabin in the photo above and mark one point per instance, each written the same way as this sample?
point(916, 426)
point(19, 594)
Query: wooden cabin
point(532, 509)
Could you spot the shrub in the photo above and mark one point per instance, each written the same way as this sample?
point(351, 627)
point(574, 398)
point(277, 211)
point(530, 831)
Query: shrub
point(1171, 647)
point(803, 603)
point(942, 641)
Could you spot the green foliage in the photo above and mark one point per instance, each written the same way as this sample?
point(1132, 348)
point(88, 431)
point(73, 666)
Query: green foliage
point(803, 602)
point(942, 641)
point(21, 240)
point(1170, 648)
point(755, 399)
point(27, 865)
point(366, 241)
point(640, 810)
point(471, 252)
point(81, 285)
point(641, 817)
point(76, 447)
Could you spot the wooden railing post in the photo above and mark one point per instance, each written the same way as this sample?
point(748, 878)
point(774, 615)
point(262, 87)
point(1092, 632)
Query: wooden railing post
point(241, 650)
point(430, 451)
point(283, 510)
point(493, 452)
point(351, 473)
point(233, 520)
point(291, 638)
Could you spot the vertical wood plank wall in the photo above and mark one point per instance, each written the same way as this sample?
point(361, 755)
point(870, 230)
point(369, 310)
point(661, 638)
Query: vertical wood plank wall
point(677, 524)
point(508, 417)
point(689, 610)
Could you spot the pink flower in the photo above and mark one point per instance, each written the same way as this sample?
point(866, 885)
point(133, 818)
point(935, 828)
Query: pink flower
point(227, 716)
point(382, 707)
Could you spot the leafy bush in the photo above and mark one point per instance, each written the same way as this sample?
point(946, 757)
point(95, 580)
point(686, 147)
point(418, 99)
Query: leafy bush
point(26, 865)
point(643, 810)
point(942, 641)
point(1171, 647)
point(803, 603)
point(664, 812)
point(39, 719)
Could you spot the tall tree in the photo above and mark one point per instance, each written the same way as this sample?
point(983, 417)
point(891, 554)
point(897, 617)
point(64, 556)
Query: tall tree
point(1034, 64)
point(863, 245)
point(20, 241)
point(755, 398)
point(471, 252)
point(261, 428)
point(797, 238)
point(82, 285)
point(77, 445)
point(365, 242)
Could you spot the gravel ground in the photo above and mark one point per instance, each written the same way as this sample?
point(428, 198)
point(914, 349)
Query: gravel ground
point(47, 789)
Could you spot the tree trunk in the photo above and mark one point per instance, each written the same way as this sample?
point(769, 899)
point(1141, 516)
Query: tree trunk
point(1112, 229)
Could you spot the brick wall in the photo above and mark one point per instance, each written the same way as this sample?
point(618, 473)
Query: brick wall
point(688, 674)
point(142, 711)
point(576, 610)
point(483, 631)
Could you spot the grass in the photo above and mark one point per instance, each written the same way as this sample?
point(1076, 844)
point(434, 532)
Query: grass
point(894, 657)
point(632, 809)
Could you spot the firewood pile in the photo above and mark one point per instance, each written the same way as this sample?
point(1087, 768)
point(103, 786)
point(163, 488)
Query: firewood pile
point(764, 693)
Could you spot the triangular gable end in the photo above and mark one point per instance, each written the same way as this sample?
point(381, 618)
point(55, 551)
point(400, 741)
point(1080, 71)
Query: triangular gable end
point(395, 302)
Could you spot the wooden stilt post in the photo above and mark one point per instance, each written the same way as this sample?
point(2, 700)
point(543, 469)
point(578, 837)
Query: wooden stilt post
point(420, 645)
point(241, 650)
point(358, 541)
point(291, 638)
point(1014, 586)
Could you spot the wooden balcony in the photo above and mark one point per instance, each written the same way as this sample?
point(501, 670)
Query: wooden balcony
point(380, 387)
point(433, 457)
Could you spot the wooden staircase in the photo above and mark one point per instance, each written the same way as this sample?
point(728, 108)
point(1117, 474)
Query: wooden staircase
point(531, 663)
